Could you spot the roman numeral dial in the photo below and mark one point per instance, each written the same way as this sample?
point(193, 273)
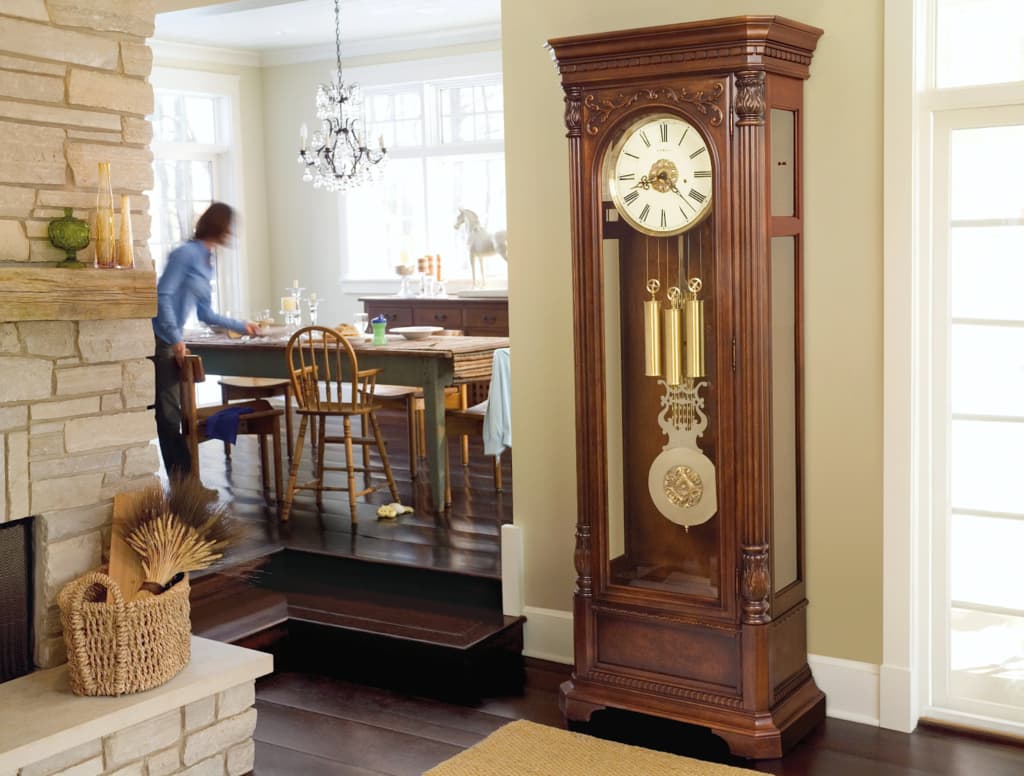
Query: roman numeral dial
point(661, 175)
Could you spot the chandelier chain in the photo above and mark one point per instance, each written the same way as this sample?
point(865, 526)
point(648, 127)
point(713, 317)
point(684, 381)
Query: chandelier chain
point(337, 36)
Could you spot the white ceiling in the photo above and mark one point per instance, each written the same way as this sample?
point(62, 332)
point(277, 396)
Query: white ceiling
point(367, 26)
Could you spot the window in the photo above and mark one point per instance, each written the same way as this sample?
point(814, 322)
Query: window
point(445, 141)
point(973, 115)
point(192, 167)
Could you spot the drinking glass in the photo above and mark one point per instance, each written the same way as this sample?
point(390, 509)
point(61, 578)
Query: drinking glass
point(360, 321)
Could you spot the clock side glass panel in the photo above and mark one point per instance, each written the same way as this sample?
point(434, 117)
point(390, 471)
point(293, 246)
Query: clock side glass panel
point(651, 423)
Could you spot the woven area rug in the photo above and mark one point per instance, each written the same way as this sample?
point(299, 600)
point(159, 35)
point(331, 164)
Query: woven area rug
point(526, 749)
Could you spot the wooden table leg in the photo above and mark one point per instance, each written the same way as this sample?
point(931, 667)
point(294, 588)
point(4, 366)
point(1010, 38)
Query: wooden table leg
point(436, 440)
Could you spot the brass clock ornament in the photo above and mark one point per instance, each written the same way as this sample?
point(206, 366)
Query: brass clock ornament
point(685, 162)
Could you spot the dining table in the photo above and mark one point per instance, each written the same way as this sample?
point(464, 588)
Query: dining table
point(432, 363)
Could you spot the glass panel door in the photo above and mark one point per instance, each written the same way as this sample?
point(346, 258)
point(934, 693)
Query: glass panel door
point(978, 606)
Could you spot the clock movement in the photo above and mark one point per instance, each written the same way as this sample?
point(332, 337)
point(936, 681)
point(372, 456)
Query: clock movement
point(687, 237)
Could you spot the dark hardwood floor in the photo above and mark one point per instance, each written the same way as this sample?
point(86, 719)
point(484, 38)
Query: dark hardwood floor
point(331, 711)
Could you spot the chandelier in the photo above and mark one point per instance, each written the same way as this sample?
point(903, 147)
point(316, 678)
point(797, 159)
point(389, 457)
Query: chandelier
point(337, 157)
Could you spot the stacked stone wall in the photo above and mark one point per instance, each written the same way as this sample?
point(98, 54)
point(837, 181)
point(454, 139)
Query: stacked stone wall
point(74, 427)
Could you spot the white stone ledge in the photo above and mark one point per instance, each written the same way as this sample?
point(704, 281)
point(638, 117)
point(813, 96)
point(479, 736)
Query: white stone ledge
point(50, 719)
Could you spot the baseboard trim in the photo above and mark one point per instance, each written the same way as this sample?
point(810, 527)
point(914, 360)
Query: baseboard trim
point(548, 634)
point(851, 687)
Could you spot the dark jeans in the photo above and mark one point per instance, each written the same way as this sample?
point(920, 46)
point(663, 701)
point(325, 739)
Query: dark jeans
point(177, 460)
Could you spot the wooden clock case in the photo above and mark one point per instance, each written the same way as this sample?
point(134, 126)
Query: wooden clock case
point(729, 652)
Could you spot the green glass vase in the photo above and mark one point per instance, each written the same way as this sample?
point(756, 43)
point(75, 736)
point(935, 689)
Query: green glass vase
point(70, 234)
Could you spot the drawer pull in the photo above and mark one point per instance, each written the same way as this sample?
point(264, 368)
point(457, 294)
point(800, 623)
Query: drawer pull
point(489, 319)
point(440, 317)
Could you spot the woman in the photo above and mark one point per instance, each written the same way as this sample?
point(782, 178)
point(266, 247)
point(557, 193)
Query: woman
point(184, 286)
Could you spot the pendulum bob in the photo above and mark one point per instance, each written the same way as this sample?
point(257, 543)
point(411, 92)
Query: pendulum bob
point(672, 340)
point(693, 330)
point(652, 332)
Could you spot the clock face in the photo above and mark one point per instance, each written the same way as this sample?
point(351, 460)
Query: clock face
point(660, 178)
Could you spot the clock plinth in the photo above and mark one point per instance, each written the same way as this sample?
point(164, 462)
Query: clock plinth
point(685, 156)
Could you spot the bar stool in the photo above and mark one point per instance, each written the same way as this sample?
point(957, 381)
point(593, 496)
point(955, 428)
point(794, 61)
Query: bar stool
point(245, 388)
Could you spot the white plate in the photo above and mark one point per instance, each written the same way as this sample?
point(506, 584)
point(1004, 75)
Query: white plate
point(417, 332)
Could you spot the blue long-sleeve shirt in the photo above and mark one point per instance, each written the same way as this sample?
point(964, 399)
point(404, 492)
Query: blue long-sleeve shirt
point(185, 286)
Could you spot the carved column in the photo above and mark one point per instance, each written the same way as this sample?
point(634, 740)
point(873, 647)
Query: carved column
point(754, 348)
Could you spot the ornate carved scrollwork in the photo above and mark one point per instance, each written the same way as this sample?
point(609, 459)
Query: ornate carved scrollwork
point(584, 580)
point(754, 586)
point(573, 110)
point(601, 109)
point(750, 97)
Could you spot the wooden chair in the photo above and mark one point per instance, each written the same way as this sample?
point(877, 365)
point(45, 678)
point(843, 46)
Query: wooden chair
point(264, 421)
point(244, 388)
point(464, 423)
point(318, 358)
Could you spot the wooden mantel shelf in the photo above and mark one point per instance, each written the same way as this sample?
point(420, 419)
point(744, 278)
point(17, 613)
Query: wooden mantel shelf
point(54, 294)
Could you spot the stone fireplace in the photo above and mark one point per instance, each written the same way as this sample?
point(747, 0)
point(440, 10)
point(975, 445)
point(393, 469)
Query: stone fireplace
point(75, 381)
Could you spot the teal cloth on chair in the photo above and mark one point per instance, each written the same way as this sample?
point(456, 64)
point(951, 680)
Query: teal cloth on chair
point(497, 431)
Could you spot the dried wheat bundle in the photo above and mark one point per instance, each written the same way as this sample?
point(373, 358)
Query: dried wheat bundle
point(178, 531)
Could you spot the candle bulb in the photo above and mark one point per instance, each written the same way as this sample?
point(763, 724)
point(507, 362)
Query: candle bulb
point(303, 134)
point(312, 297)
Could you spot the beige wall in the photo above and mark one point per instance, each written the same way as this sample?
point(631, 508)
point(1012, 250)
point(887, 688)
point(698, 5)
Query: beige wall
point(843, 360)
point(304, 224)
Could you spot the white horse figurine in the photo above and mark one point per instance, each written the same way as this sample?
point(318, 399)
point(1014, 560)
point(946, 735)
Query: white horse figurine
point(480, 243)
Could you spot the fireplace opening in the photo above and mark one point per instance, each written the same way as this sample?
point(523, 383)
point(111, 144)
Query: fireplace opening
point(15, 599)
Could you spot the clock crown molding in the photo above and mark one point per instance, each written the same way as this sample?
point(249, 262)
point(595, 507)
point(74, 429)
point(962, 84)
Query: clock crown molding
point(705, 101)
point(771, 43)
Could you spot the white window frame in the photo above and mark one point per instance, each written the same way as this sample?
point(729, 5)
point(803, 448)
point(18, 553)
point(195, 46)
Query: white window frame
point(227, 156)
point(445, 71)
point(915, 341)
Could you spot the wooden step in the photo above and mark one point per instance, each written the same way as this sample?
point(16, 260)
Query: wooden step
point(433, 632)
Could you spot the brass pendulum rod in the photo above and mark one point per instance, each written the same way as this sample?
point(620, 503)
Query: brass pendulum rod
point(693, 324)
point(673, 338)
point(652, 330)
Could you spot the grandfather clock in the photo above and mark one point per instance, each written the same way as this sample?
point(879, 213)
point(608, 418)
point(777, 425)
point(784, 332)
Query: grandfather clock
point(687, 237)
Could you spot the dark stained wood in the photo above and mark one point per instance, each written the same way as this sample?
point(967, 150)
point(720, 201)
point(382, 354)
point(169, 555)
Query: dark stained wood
point(476, 316)
point(465, 540)
point(375, 716)
point(376, 749)
point(713, 585)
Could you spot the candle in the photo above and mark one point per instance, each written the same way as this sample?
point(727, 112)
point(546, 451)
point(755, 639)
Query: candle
point(287, 304)
point(295, 284)
point(312, 297)
point(303, 133)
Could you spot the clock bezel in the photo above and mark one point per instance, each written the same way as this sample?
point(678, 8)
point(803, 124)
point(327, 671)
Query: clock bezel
point(609, 160)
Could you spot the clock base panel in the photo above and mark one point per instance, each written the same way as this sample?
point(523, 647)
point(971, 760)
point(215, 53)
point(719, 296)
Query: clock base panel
point(755, 735)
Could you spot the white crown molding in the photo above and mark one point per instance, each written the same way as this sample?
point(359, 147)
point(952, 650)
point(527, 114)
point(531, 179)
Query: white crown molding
point(169, 51)
point(484, 33)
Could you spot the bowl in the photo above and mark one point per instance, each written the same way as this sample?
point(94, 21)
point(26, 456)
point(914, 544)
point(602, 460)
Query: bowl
point(417, 332)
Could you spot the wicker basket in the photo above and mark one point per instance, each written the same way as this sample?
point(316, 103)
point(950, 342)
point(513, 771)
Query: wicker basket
point(123, 647)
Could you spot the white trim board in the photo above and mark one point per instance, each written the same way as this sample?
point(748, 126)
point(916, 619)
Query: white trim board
point(171, 51)
point(850, 686)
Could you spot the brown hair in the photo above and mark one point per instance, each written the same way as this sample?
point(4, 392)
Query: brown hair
point(215, 224)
